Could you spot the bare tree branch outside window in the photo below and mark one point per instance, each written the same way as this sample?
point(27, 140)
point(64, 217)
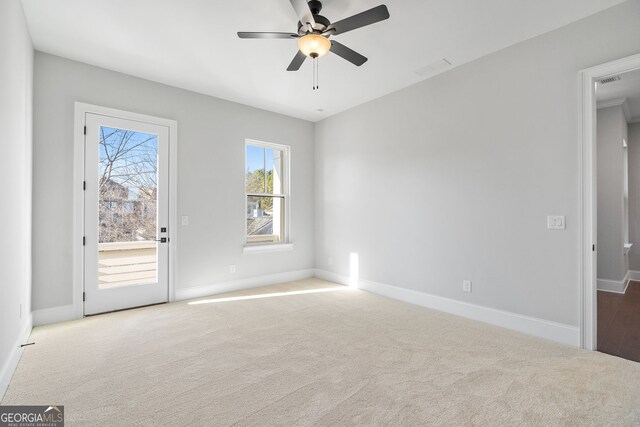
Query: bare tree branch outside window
point(127, 185)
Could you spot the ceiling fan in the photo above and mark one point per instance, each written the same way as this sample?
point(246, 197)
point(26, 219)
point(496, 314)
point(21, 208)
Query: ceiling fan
point(314, 31)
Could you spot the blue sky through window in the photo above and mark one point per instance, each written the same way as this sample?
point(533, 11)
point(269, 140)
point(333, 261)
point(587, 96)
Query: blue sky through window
point(256, 158)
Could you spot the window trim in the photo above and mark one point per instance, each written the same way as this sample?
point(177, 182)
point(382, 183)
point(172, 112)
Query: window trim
point(286, 243)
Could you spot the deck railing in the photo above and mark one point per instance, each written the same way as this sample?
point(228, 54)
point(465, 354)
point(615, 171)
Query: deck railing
point(127, 263)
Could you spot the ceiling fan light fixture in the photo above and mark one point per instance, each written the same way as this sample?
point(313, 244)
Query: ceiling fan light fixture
point(314, 45)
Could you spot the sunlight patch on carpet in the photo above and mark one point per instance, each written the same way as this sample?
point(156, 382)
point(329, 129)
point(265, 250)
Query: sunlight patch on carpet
point(271, 295)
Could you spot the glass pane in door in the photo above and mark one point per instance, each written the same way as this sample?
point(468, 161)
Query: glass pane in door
point(127, 211)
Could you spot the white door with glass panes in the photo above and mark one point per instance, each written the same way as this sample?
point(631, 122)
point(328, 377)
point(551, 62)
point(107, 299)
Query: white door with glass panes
point(126, 214)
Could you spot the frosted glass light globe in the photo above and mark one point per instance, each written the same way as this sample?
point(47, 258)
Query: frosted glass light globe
point(314, 45)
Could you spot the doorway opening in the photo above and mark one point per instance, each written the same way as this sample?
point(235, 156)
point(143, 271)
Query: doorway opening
point(618, 214)
point(607, 193)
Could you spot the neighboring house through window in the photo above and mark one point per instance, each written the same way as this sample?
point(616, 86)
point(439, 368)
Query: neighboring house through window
point(267, 192)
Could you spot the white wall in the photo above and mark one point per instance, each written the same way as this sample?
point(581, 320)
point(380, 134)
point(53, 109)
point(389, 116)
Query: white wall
point(634, 195)
point(211, 137)
point(16, 85)
point(452, 178)
point(612, 129)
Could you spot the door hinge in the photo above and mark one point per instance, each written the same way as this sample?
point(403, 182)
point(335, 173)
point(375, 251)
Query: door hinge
point(84, 241)
point(85, 130)
point(593, 248)
point(84, 185)
point(84, 296)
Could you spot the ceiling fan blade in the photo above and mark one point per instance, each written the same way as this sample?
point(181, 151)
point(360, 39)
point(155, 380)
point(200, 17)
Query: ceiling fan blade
point(266, 35)
point(368, 17)
point(303, 11)
point(348, 54)
point(297, 62)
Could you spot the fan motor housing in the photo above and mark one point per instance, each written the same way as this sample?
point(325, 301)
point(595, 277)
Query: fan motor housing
point(321, 25)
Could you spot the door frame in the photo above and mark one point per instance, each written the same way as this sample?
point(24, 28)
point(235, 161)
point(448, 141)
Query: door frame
point(80, 111)
point(588, 217)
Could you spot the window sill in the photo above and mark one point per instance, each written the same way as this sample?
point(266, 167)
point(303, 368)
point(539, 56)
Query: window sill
point(276, 247)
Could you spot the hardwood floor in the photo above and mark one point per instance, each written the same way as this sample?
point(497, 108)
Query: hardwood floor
point(619, 323)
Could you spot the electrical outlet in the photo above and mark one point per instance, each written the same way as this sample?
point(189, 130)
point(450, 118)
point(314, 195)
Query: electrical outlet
point(466, 285)
point(185, 220)
point(232, 268)
point(329, 261)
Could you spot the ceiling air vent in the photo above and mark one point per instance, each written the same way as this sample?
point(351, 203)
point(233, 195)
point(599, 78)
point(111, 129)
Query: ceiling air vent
point(609, 80)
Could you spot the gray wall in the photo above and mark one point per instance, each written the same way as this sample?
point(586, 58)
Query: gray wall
point(453, 178)
point(634, 195)
point(211, 135)
point(16, 85)
point(612, 128)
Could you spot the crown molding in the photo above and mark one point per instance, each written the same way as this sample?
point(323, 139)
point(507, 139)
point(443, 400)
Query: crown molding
point(618, 102)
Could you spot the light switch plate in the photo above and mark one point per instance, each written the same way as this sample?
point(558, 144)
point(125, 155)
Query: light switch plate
point(556, 222)
point(185, 220)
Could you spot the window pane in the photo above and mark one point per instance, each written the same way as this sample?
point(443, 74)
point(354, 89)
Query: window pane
point(274, 163)
point(265, 219)
point(127, 207)
point(254, 181)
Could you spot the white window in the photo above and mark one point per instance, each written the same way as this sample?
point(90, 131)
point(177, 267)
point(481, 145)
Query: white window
point(267, 192)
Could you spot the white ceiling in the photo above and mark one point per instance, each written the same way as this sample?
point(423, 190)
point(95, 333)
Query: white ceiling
point(192, 44)
point(628, 87)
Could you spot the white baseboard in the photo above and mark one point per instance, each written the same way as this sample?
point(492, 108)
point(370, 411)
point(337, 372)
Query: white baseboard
point(53, 315)
point(241, 284)
point(634, 275)
point(330, 276)
point(11, 363)
point(565, 334)
point(618, 287)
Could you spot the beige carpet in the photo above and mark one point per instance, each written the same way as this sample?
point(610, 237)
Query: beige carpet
point(339, 357)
